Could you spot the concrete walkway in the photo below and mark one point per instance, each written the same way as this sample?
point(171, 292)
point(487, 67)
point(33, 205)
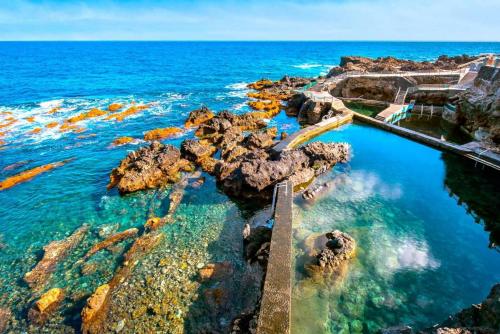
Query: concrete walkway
point(276, 302)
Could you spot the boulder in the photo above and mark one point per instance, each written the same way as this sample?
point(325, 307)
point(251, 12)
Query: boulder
point(148, 167)
point(311, 112)
point(295, 104)
point(198, 116)
point(255, 173)
point(339, 248)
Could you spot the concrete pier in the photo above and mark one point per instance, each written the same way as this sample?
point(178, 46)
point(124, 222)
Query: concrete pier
point(276, 303)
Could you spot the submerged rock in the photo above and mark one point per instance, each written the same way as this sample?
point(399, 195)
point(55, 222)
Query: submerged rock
point(91, 312)
point(148, 167)
point(5, 316)
point(45, 306)
point(116, 238)
point(216, 271)
point(257, 243)
point(55, 252)
point(29, 174)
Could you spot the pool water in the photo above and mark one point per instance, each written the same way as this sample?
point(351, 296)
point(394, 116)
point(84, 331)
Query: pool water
point(420, 255)
point(436, 127)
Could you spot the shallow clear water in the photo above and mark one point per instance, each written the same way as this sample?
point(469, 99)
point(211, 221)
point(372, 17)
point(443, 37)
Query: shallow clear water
point(173, 78)
point(420, 254)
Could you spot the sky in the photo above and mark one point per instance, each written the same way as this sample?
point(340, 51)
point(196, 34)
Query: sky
point(417, 20)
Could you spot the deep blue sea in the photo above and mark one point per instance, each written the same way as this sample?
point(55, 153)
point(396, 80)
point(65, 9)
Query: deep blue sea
point(44, 83)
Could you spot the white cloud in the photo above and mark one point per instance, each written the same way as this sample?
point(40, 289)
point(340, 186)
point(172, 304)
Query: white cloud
point(252, 20)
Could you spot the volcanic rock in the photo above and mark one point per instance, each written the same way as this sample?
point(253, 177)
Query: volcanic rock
point(198, 116)
point(339, 248)
point(194, 150)
point(148, 167)
point(257, 244)
point(116, 238)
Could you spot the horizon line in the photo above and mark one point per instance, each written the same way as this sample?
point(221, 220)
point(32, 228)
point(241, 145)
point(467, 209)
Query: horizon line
point(249, 40)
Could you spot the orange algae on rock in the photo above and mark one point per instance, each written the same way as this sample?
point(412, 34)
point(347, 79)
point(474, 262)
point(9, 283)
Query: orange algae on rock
point(130, 111)
point(54, 110)
point(261, 84)
point(92, 309)
point(122, 141)
point(9, 122)
point(51, 125)
point(54, 252)
point(30, 119)
point(198, 116)
point(29, 174)
point(35, 131)
point(116, 238)
point(65, 127)
point(94, 112)
point(161, 133)
point(115, 106)
point(45, 306)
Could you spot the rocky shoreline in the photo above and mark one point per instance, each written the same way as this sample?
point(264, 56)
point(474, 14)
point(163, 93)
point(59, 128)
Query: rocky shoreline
point(236, 150)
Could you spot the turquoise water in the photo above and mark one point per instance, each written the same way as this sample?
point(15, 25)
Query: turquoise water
point(420, 253)
point(173, 79)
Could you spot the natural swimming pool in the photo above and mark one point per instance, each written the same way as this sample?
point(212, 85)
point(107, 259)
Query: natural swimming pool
point(421, 256)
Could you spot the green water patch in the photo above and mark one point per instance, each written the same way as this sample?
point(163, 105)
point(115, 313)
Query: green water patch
point(421, 255)
point(363, 109)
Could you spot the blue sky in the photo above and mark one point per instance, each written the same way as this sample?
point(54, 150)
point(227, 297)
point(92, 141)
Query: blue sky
point(429, 20)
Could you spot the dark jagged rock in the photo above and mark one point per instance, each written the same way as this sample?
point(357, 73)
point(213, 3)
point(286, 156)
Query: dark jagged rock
point(261, 139)
point(257, 244)
point(311, 111)
point(479, 108)
point(391, 64)
point(148, 167)
point(194, 150)
point(295, 103)
point(255, 173)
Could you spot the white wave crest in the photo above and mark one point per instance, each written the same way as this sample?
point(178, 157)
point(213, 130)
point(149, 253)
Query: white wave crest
point(237, 86)
point(306, 66)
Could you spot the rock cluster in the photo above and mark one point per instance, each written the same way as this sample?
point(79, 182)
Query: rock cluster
point(253, 174)
point(148, 167)
point(391, 64)
point(198, 116)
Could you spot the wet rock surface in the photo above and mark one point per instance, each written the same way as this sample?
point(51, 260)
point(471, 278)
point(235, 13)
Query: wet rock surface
point(148, 167)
